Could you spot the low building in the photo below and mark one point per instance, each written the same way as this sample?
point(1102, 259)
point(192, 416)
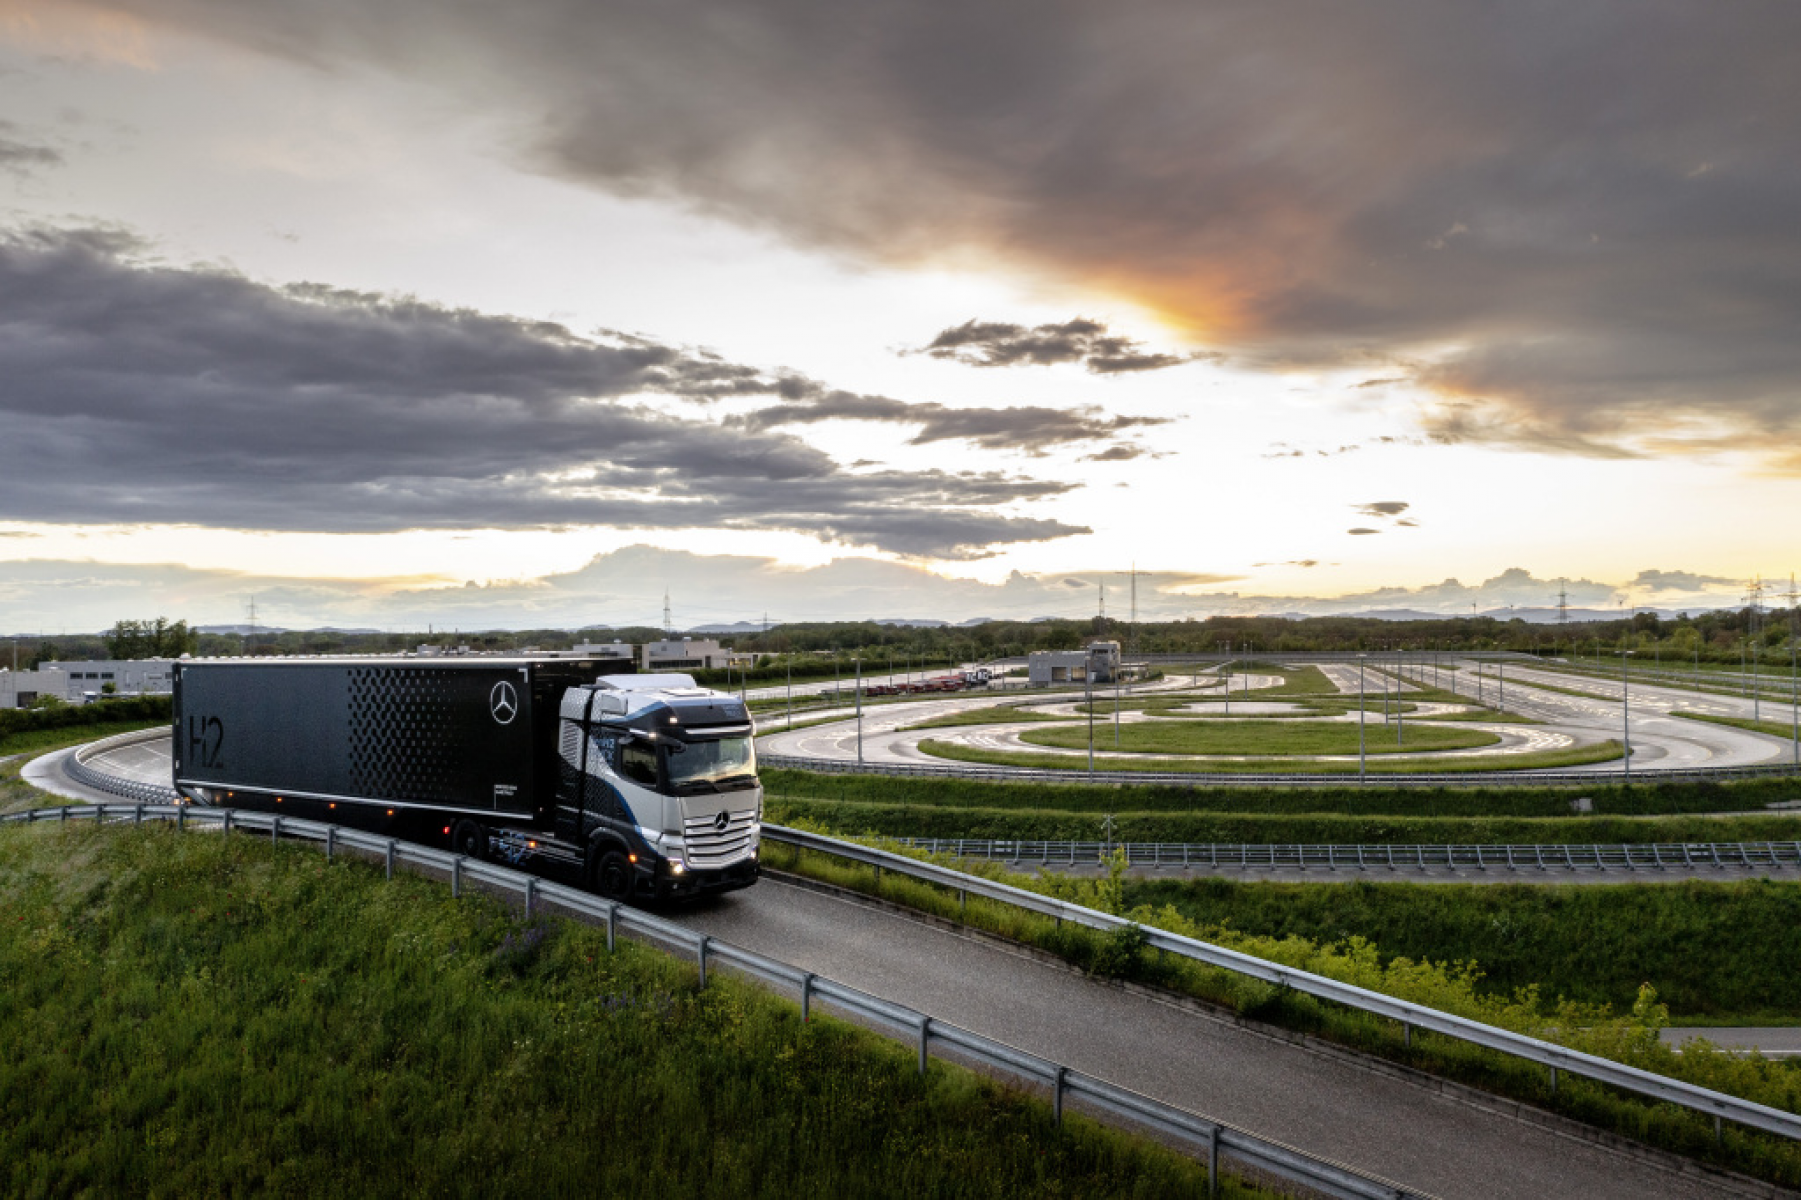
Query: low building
point(84, 681)
point(1098, 662)
point(690, 654)
point(20, 689)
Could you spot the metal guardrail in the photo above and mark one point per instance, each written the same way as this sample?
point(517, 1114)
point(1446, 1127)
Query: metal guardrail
point(1214, 1138)
point(132, 789)
point(1496, 778)
point(1638, 856)
point(1548, 1054)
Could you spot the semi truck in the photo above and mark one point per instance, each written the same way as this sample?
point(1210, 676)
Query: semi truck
point(645, 784)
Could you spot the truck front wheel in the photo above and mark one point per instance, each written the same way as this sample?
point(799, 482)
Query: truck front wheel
point(611, 876)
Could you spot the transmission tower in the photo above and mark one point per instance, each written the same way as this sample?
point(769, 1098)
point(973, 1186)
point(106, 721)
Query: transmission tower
point(252, 609)
point(668, 622)
point(1563, 603)
point(1102, 587)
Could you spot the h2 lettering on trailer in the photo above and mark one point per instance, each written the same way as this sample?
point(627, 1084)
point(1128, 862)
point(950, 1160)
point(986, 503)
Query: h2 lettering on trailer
point(206, 743)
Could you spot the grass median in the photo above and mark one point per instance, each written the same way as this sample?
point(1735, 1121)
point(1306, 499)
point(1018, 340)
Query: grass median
point(1264, 738)
point(201, 1015)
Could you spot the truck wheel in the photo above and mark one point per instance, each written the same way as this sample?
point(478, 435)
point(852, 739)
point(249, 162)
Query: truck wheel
point(611, 876)
point(469, 839)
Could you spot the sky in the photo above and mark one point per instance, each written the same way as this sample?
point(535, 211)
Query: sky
point(485, 316)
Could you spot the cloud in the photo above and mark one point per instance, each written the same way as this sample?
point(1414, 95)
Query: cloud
point(1558, 219)
point(1361, 532)
point(1293, 562)
point(21, 157)
point(144, 393)
point(1678, 581)
point(1383, 508)
point(1030, 428)
point(1124, 453)
point(994, 344)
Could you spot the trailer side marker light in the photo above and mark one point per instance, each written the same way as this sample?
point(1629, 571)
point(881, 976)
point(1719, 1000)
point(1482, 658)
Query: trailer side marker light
point(531, 845)
point(447, 831)
point(631, 858)
point(390, 812)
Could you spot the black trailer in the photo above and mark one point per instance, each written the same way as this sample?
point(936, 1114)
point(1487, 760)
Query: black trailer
point(460, 736)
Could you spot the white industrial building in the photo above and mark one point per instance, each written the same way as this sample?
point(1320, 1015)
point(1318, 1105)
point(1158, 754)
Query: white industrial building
point(1098, 662)
point(20, 689)
point(84, 681)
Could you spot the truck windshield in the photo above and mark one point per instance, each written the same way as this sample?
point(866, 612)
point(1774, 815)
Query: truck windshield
point(709, 762)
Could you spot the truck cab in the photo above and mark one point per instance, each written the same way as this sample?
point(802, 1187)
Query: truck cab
point(658, 783)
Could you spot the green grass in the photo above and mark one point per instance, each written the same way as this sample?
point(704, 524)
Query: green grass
point(1627, 1037)
point(1262, 829)
point(1572, 756)
point(205, 1016)
point(1722, 951)
point(1261, 737)
point(1782, 729)
point(1513, 799)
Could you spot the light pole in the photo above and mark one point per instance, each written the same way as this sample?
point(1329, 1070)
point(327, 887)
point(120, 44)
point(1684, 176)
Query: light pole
point(1400, 716)
point(1361, 764)
point(1116, 674)
point(1088, 691)
point(1626, 709)
point(859, 663)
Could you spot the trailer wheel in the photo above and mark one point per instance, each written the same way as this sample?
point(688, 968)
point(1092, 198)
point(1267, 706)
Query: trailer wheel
point(611, 876)
point(469, 839)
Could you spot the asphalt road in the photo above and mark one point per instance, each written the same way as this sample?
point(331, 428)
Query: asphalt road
point(1385, 1125)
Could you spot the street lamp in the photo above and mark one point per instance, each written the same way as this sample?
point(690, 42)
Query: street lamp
point(1361, 764)
point(1626, 709)
point(1088, 692)
point(859, 663)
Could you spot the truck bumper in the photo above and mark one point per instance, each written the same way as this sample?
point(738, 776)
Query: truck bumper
point(664, 886)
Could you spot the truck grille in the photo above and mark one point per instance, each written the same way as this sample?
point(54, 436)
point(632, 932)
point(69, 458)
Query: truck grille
point(709, 846)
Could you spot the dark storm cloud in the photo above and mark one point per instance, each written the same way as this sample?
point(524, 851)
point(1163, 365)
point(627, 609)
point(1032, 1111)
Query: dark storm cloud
point(20, 156)
point(152, 394)
point(1575, 222)
point(993, 344)
point(1030, 428)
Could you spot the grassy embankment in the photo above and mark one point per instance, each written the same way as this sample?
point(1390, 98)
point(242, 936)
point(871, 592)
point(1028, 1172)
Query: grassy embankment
point(205, 1016)
point(1627, 1036)
point(1720, 952)
point(1337, 813)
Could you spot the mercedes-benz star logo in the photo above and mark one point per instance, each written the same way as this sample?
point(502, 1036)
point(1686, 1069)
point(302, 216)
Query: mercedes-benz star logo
point(721, 821)
point(503, 702)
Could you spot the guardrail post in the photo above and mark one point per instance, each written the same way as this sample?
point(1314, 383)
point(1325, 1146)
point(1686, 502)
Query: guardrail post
point(1407, 1034)
point(1553, 1081)
point(806, 997)
point(612, 926)
point(704, 943)
point(1719, 1131)
point(962, 902)
point(228, 822)
point(62, 814)
point(181, 817)
point(275, 829)
point(925, 1033)
point(389, 858)
point(331, 841)
point(531, 894)
point(456, 878)
point(137, 816)
point(1057, 1094)
point(1213, 1161)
